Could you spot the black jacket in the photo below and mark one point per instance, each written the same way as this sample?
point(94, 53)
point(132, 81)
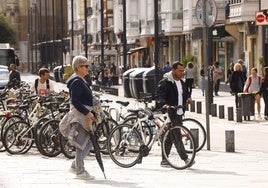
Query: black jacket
point(237, 81)
point(167, 92)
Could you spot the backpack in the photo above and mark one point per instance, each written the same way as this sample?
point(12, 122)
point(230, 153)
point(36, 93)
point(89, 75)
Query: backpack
point(36, 84)
point(250, 80)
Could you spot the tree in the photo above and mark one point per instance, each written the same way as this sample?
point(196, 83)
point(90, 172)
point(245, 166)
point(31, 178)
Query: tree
point(7, 33)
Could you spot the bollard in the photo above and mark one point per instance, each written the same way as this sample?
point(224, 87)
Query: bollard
point(195, 133)
point(199, 107)
point(193, 106)
point(229, 141)
point(213, 110)
point(221, 111)
point(238, 115)
point(230, 113)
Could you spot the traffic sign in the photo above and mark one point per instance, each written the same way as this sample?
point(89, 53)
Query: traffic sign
point(210, 9)
point(261, 18)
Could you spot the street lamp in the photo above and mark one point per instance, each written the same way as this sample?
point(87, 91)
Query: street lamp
point(86, 37)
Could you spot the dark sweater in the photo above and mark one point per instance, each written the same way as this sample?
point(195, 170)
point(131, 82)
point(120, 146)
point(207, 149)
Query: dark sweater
point(80, 94)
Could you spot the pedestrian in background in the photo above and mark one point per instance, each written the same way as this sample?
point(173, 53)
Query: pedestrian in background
point(230, 72)
point(167, 68)
point(264, 92)
point(172, 91)
point(244, 69)
point(81, 106)
point(217, 76)
point(202, 80)
point(253, 85)
point(14, 77)
point(189, 76)
point(42, 85)
point(237, 82)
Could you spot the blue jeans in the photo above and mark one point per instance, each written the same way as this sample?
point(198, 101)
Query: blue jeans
point(80, 155)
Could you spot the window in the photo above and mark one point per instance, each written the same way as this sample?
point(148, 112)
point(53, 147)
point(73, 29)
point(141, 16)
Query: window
point(177, 9)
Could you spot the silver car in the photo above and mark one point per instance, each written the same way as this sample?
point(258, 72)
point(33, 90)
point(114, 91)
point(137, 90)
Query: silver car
point(4, 76)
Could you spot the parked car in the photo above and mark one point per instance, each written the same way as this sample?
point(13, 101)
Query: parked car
point(4, 75)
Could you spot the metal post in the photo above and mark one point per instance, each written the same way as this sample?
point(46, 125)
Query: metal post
point(62, 44)
point(206, 65)
point(102, 33)
point(31, 37)
point(28, 46)
point(72, 29)
point(124, 37)
point(156, 43)
point(86, 37)
point(46, 38)
point(35, 34)
point(40, 33)
point(53, 30)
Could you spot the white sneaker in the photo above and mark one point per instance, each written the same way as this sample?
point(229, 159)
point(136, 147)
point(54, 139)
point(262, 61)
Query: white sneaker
point(85, 176)
point(259, 116)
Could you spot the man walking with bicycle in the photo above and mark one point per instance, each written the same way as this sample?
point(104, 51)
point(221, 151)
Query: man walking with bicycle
point(172, 91)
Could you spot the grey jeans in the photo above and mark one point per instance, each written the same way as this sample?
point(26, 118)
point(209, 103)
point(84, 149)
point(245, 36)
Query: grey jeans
point(80, 155)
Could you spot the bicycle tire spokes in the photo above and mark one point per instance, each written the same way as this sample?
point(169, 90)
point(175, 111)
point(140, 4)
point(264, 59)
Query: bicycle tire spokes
point(198, 131)
point(18, 138)
point(124, 145)
point(176, 158)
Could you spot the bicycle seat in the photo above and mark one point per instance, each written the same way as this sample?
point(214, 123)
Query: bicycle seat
point(123, 103)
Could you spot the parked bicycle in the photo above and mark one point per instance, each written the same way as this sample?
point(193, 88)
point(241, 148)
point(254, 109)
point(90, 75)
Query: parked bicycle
point(127, 143)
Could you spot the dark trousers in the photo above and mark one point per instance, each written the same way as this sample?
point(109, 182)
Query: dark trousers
point(217, 86)
point(265, 98)
point(189, 84)
point(170, 140)
point(237, 101)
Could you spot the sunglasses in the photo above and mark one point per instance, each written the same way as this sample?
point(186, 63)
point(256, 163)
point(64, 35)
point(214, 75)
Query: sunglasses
point(84, 66)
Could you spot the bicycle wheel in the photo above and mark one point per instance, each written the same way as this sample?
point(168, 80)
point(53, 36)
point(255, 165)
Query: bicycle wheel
point(124, 144)
point(103, 131)
point(2, 119)
point(37, 127)
point(49, 139)
point(18, 138)
point(147, 129)
point(67, 148)
point(181, 147)
point(197, 130)
point(5, 121)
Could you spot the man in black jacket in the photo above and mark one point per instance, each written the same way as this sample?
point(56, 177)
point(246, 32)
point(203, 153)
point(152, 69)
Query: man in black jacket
point(14, 77)
point(172, 91)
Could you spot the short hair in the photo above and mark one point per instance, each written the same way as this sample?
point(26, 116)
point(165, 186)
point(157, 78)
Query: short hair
point(254, 69)
point(78, 61)
point(13, 65)
point(240, 61)
point(175, 64)
point(42, 71)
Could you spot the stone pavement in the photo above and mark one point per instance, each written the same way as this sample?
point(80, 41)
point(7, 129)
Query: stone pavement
point(246, 167)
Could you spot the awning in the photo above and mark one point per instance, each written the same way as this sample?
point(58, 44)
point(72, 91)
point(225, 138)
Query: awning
point(133, 50)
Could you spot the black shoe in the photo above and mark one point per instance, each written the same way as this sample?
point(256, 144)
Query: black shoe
point(216, 94)
point(164, 163)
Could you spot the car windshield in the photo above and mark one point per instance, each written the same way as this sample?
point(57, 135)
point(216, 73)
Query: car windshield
point(4, 75)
